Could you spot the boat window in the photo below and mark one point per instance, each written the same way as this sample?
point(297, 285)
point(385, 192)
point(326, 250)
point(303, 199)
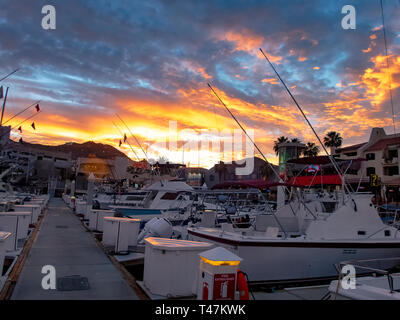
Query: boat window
point(134, 198)
point(169, 196)
point(361, 233)
point(387, 233)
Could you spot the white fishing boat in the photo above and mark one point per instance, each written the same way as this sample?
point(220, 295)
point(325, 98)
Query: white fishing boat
point(297, 244)
point(169, 199)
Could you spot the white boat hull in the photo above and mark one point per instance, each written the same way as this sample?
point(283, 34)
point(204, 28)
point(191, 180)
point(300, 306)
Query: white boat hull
point(298, 261)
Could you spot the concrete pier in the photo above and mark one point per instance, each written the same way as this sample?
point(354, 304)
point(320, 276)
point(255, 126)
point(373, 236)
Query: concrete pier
point(64, 243)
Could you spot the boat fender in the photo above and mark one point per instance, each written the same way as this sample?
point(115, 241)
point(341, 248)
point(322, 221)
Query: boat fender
point(242, 286)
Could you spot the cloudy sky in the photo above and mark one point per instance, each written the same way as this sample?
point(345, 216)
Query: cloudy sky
point(150, 62)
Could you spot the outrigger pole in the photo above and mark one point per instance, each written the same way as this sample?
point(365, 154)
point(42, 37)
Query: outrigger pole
point(262, 154)
point(126, 141)
point(309, 123)
point(133, 136)
point(245, 132)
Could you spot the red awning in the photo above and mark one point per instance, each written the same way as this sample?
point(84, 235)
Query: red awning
point(307, 181)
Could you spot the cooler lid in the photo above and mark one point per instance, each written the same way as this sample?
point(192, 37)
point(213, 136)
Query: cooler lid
point(173, 244)
point(27, 205)
point(121, 219)
point(16, 213)
point(219, 254)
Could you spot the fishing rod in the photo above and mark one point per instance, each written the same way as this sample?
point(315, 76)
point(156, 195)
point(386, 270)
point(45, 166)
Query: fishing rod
point(126, 141)
point(133, 136)
point(11, 73)
point(37, 102)
point(309, 123)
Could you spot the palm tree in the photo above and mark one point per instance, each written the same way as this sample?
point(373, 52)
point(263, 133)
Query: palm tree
point(296, 140)
point(279, 141)
point(333, 140)
point(266, 171)
point(311, 150)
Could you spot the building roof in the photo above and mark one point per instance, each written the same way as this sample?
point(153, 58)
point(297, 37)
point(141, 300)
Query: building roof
point(383, 144)
point(321, 160)
point(353, 147)
point(311, 160)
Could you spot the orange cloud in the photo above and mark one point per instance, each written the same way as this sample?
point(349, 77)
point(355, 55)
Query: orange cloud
point(246, 41)
point(270, 80)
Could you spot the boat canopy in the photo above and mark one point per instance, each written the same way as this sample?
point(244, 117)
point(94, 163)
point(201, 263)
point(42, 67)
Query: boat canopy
point(310, 181)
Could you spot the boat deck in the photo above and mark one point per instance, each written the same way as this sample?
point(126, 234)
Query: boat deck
point(64, 243)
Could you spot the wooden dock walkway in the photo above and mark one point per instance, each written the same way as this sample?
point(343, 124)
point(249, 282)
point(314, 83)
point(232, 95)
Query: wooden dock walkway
point(64, 243)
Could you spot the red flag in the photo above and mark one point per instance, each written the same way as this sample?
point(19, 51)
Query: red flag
point(120, 142)
point(37, 108)
point(20, 129)
point(125, 137)
point(33, 125)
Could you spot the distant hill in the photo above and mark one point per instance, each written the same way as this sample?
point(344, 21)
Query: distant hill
point(100, 150)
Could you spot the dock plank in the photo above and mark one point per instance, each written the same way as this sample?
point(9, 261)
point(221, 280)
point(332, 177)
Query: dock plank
point(65, 244)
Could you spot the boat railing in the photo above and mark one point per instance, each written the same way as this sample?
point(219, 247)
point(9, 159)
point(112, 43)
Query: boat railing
point(391, 272)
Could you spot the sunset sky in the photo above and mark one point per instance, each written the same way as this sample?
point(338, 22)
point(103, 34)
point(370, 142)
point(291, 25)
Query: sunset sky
point(150, 62)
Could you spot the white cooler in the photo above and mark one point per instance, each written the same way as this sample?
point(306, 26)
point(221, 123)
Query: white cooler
point(171, 266)
point(39, 202)
point(120, 232)
point(96, 218)
point(80, 207)
point(3, 240)
point(34, 209)
point(24, 219)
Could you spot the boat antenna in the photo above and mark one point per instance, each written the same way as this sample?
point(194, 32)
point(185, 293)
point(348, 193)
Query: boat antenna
point(126, 141)
point(9, 74)
point(245, 132)
point(17, 114)
point(309, 123)
point(387, 65)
